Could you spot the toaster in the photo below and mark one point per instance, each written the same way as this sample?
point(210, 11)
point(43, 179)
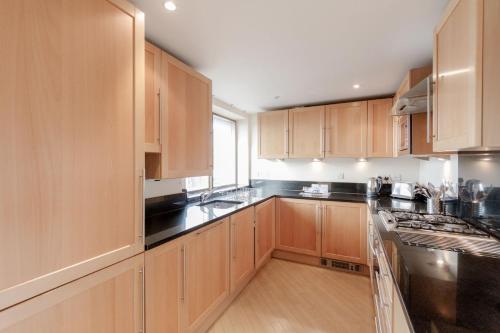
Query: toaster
point(403, 191)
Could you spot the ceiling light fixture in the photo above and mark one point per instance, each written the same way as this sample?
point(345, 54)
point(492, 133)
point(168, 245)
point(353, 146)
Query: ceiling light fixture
point(170, 6)
point(356, 86)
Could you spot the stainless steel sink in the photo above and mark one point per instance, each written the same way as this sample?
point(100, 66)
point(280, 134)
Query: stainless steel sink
point(221, 204)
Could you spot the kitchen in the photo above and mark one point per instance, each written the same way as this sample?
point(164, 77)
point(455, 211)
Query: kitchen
point(186, 166)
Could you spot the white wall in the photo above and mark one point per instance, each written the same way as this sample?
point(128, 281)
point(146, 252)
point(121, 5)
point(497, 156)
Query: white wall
point(437, 170)
point(331, 169)
point(156, 188)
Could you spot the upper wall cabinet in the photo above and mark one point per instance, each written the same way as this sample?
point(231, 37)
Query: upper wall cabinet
point(178, 118)
point(72, 139)
point(346, 129)
point(152, 76)
point(467, 76)
point(187, 141)
point(380, 128)
point(273, 134)
point(306, 132)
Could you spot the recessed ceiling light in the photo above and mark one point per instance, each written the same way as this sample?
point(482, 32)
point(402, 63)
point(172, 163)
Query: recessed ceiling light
point(170, 5)
point(440, 262)
point(356, 86)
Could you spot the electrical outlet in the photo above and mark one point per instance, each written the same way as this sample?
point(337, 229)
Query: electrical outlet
point(341, 175)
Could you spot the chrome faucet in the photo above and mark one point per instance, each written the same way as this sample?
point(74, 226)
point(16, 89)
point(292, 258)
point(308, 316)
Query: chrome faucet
point(206, 195)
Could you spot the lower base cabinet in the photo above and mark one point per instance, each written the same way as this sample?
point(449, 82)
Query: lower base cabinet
point(298, 226)
point(344, 231)
point(187, 279)
point(108, 301)
point(242, 248)
point(206, 273)
point(165, 287)
point(264, 231)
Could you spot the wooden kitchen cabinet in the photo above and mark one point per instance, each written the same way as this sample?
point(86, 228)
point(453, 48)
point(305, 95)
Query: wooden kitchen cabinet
point(273, 134)
point(242, 248)
point(346, 129)
point(467, 76)
point(306, 132)
point(108, 301)
point(152, 74)
point(72, 147)
point(403, 135)
point(344, 231)
point(165, 287)
point(185, 122)
point(207, 273)
point(298, 226)
point(264, 231)
point(380, 128)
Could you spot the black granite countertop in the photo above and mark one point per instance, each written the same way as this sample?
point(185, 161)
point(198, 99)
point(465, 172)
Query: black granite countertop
point(442, 291)
point(161, 228)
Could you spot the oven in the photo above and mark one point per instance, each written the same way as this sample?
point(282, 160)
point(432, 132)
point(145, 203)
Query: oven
point(382, 284)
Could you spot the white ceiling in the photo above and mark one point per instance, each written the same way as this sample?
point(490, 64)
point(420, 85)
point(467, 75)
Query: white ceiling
point(306, 52)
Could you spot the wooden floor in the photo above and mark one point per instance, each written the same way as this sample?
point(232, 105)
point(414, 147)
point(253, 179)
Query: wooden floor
point(291, 297)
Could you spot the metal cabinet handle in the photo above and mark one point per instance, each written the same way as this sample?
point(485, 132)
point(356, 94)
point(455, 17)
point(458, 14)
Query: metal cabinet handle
point(323, 145)
point(428, 110)
point(183, 290)
point(142, 232)
point(233, 240)
point(286, 141)
point(159, 117)
point(143, 299)
point(319, 218)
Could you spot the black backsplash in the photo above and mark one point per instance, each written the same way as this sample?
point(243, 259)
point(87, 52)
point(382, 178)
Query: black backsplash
point(292, 185)
point(484, 167)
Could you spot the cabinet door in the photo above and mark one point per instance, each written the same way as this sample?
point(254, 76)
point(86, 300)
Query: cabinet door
point(187, 121)
point(108, 301)
point(419, 144)
point(403, 135)
point(242, 247)
point(298, 226)
point(71, 141)
point(273, 134)
point(152, 76)
point(380, 131)
point(165, 287)
point(458, 72)
point(346, 127)
point(306, 132)
point(344, 235)
point(264, 231)
point(207, 272)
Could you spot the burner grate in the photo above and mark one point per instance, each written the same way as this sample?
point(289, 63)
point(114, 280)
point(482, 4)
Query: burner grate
point(479, 247)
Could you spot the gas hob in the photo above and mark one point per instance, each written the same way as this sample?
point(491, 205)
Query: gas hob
point(402, 220)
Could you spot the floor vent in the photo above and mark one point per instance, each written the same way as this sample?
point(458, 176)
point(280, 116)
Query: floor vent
point(330, 263)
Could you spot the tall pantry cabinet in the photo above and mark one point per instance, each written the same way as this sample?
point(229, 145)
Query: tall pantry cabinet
point(72, 147)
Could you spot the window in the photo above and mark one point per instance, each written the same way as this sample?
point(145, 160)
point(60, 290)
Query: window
point(224, 152)
point(225, 158)
point(194, 184)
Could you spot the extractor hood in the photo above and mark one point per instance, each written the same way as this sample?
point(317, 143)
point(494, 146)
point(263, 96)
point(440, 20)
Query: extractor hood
point(416, 100)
